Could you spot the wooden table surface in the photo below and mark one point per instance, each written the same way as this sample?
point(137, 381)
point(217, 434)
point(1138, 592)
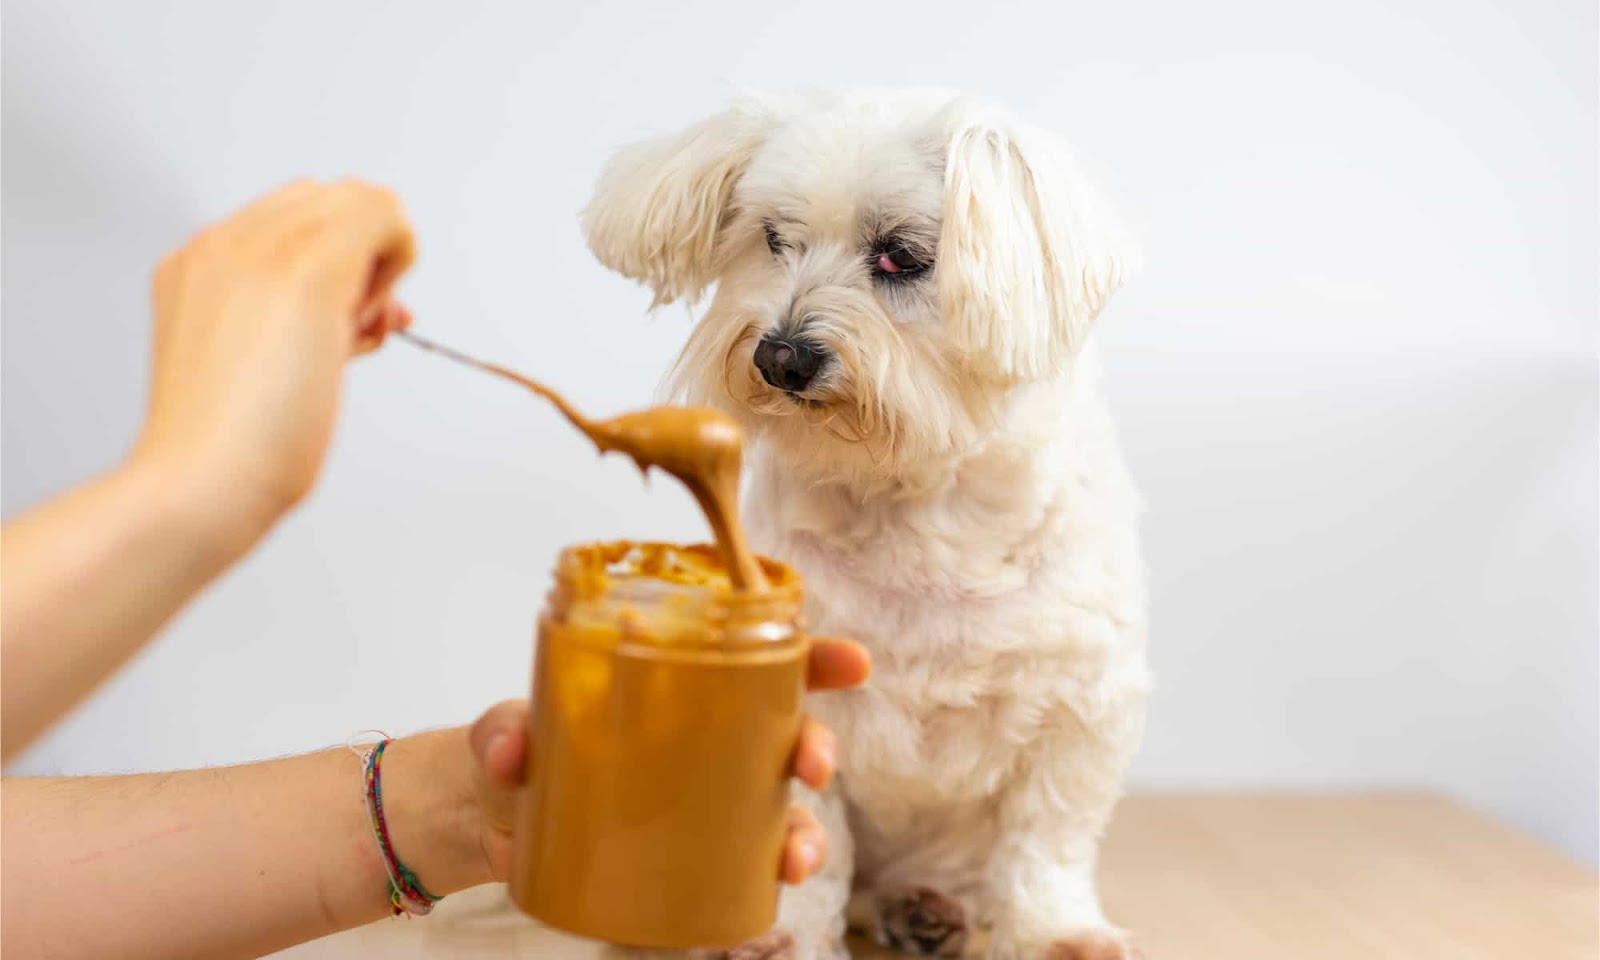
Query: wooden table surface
point(1214, 877)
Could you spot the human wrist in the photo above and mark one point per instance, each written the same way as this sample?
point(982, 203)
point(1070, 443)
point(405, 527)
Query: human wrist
point(200, 501)
point(432, 812)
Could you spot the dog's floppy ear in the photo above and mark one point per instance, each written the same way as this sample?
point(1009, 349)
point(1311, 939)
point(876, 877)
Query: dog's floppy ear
point(1029, 251)
point(659, 206)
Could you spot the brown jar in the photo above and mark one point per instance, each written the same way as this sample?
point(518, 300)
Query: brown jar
point(665, 711)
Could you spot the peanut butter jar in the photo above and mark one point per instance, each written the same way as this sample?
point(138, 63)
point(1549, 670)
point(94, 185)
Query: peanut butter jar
point(666, 707)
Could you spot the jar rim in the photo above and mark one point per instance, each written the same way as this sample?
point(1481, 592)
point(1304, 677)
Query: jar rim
point(686, 576)
point(592, 566)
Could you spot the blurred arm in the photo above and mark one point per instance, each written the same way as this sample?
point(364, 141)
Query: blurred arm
point(93, 574)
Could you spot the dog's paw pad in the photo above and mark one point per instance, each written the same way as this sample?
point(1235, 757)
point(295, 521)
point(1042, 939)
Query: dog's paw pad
point(922, 922)
point(777, 945)
point(1098, 944)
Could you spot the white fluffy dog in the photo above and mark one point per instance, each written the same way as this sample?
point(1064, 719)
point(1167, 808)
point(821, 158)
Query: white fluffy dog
point(905, 285)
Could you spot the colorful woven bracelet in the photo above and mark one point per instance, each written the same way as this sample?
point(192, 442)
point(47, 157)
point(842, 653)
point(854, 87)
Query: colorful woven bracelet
point(406, 894)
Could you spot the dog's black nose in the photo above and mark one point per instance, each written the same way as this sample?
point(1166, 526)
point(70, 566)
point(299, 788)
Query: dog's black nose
point(788, 364)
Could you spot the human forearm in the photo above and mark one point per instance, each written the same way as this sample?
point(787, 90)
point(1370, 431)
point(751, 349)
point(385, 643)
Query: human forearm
point(91, 575)
point(231, 862)
point(254, 320)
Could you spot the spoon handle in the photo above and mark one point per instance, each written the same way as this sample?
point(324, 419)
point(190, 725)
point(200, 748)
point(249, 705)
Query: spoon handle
point(567, 410)
point(442, 350)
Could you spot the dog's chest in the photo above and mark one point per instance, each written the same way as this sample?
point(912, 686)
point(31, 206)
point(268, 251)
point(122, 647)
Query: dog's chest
point(951, 700)
point(980, 644)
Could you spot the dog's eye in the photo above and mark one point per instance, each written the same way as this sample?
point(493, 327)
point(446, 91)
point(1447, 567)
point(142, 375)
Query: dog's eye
point(774, 242)
point(893, 259)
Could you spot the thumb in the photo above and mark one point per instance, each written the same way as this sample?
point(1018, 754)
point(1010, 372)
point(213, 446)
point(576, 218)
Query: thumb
point(500, 743)
point(377, 323)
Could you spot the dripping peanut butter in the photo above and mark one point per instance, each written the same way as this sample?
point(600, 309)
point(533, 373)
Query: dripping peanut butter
point(666, 705)
point(699, 446)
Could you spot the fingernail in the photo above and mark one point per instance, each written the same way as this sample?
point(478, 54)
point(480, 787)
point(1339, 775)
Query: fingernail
point(496, 743)
point(826, 754)
point(810, 854)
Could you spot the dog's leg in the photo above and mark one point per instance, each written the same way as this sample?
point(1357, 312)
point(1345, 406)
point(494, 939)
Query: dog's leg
point(811, 916)
point(1041, 874)
point(923, 899)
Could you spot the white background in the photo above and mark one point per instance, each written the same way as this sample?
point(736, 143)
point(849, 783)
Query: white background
point(1357, 381)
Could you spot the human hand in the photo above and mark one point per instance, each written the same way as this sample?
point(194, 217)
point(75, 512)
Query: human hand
point(254, 320)
point(499, 744)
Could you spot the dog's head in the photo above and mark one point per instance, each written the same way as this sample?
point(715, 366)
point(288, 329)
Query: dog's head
point(890, 267)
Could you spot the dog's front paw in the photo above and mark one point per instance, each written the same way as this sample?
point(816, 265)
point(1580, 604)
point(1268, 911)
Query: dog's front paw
point(1093, 943)
point(922, 922)
point(775, 945)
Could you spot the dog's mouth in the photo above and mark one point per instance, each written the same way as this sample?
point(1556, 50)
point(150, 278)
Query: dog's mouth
point(827, 403)
point(816, 403)
point(775, 401)
point(821, 405)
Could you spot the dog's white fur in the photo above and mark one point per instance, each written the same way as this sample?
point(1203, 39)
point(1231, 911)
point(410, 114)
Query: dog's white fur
point(950, 485)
